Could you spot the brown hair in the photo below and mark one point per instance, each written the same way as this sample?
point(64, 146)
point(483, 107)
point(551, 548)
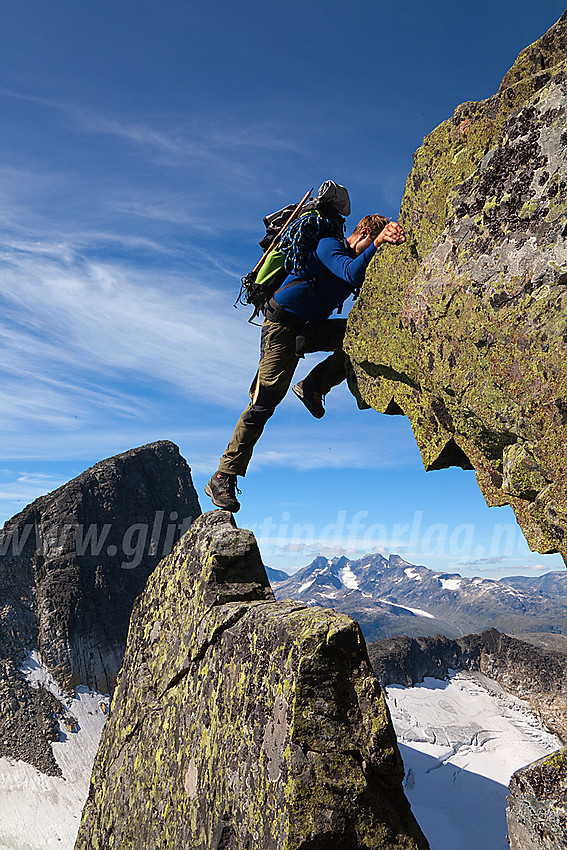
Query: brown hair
point(374, 222)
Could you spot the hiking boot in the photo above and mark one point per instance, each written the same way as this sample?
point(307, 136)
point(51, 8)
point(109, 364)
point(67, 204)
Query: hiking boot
point(222, 489)
point(312, 400)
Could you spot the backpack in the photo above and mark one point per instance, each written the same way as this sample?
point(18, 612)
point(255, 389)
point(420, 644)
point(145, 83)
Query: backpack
point(290, 236)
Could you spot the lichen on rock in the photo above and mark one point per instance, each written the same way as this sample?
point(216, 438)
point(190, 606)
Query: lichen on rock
point(464, 328)
point(537, 805)
point(239, 721)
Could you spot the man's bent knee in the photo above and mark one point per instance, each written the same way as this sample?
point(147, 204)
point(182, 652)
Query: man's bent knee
point(256, 416)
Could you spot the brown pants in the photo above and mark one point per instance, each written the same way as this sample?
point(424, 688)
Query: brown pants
point(278, 361)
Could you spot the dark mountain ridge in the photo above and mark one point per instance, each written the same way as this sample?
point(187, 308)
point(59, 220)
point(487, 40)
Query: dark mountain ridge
point(526, 671)
point(71, 565)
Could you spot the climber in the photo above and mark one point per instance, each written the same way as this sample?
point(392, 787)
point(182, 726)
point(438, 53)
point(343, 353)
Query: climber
point(296, 323)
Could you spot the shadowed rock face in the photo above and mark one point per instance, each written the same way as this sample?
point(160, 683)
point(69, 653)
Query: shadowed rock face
point(241, 722)
point(537, 808)
point(74, 561)
point(464, 328)
point(28, 721)
point(71, 565)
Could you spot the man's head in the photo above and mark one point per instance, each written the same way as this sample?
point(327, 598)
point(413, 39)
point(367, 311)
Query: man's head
point(366, 231)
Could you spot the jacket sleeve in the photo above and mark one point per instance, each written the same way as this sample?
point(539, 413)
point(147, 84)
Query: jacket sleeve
point(334, 255)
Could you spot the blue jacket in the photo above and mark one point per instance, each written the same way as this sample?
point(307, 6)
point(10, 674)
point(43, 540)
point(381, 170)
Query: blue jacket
point(334, 271)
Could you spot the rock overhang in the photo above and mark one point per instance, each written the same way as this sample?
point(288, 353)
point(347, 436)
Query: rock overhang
point(464, 328)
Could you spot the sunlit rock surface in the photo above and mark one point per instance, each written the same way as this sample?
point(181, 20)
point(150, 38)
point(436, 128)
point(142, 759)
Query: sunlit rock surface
point(464, 328)
point(242, 722)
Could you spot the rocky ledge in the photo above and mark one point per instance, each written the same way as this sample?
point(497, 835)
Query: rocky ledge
point(239, 721)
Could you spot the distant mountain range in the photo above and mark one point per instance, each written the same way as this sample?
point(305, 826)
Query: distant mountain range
point(390, 596)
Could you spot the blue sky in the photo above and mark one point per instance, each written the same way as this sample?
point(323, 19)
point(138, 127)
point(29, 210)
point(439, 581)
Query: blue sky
point(142, 144)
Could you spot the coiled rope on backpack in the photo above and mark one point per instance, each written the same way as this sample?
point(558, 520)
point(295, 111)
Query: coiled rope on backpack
point(287, 246)
point(302, 236)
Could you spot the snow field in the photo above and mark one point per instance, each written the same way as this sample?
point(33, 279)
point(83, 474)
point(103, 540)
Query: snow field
point(39, 812)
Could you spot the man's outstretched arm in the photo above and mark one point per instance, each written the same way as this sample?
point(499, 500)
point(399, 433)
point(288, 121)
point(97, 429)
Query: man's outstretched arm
point(339, 260)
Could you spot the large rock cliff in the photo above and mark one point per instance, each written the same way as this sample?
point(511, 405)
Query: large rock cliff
point(239, 721)
point(464, 329)
point(71, 565)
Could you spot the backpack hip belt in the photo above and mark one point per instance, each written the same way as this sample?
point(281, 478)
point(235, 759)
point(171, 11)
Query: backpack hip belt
point(274, 312)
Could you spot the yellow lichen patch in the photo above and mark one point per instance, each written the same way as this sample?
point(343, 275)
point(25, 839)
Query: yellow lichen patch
point(434, 333)
point(252, 720)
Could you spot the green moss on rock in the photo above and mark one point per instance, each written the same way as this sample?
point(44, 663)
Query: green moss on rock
point(537, 808)
point(557, 760)
point(242, 722)
point(464, 328)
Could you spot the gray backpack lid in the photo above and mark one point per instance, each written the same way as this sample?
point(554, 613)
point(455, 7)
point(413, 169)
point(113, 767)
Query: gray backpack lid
point(334, 195)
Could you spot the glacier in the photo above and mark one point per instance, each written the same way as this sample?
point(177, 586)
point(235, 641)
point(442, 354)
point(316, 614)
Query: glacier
point(461, 739)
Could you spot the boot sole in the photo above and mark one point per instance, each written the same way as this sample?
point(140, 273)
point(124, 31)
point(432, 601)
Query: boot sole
point(209, 493)
point(299, 393)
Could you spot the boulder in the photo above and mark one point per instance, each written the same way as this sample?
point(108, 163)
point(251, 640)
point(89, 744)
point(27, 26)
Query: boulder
point(239, 721)
point(537, 805)
point(464, 328)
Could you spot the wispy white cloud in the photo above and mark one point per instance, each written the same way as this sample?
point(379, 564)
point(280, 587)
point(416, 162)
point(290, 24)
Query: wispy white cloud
point(88, 343)
point(512, 569)
point(484, 563)
point(98, 318)
point(168, 207)
point(27, 486)
point(506, 565)
point(20, 188)
point(180, 142)
point(194, 175)
point(205, 146)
